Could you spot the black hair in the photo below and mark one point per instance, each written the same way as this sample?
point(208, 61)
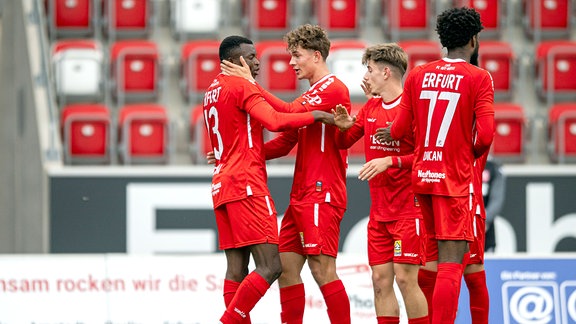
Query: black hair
point(230, 44)
point(456, 26)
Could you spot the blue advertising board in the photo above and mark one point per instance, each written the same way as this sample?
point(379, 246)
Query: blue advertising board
point(528, 291)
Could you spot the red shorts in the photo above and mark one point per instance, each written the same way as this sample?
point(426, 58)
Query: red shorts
point(477, 247)
point(311, 229)
point(446, 218)
point(247, 222)
point(400, 241)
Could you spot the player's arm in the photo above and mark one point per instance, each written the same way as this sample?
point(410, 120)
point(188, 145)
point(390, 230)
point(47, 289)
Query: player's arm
point(374, 167)
point(484, 111)
point(281, 145)
point(276, 121)
point(243, 70)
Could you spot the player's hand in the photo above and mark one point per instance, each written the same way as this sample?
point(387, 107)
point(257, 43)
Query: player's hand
point(367, 89)
point(210, 158)
point(322, 116)
point(374, 167)
point(342, 119)
point(229, 68)
point(383, 134)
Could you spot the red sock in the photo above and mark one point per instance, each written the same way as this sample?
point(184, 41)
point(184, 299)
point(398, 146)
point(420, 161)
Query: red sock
point(427, 281)
point(337, 302)
point(252, 288)
point(446, 292)
point(419, 320)
point(230, 288)
point(292, 300)
point(479, 299)
point(388, 319)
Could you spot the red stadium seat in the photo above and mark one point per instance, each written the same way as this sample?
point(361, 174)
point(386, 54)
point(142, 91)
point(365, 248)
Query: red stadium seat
point(199, 65)
point(356, 152)
point(338, 17)
point(195, 18)
point(407, 18)
point(135, 70)
point(85, 130)
point(199, 140)
point(498, 58)
point(562, 132)
point(547, 18)
point(143, 134)
point(127, 18)
point(276, 74)
point(421, 51)
point(510, 125)
point(71, 18)
point(491, 15)
point(345, 61)
point(267, 18)
point(78, 70)
point(555, 70)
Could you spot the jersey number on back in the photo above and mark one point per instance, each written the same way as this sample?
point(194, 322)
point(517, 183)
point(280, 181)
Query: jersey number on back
point(434, 96)
point(213, 113)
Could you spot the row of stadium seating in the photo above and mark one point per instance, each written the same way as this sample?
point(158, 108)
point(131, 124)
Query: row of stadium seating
point(142, 134)
point(133, 68)
point(261, 18)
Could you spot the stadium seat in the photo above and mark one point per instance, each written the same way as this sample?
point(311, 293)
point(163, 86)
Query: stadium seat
point(71, 18)
point(276, 74)
point(135, 69)
point(545, 19)
point(491, 15)
point(356, 151)
point(345, 61)
point(338, 17)
point(407, 18)
point(199, 65)
point(562, 132)
point(510, 125)
point(420, 51)
point(127, 18)
point(78, 70)
point(195, 18)
point(143, 134)
point(555, 70)
point(85, 130)
point(267, 18)
point(498, 58)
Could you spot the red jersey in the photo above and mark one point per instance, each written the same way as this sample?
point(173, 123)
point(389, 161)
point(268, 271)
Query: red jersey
point(235, 114)
point(450, 102)
point(390, 191)
point(320, 170)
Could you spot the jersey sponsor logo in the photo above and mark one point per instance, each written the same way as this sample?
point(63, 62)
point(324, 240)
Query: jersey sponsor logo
point(371, 120)
point(241, 313)
point(387, 146)
point(429, 176)
point(397, 248)
point(432, 156)
point(411, 255)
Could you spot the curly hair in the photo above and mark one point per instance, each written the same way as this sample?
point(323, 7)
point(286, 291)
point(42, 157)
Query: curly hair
point(456, 26)
point(388, 53)
point(310, 37)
